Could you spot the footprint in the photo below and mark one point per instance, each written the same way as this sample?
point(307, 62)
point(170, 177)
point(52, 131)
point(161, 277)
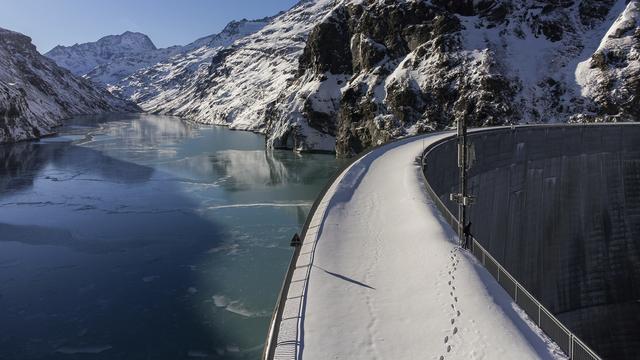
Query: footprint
point(454, 288)
point(452, 321)
point(455, 299)
point(441, 357)
point(453, 307)
point(449, 282)
point(458, 312)
point(448, 348)
point(455, 330)
point(446, 339)
point(451, 293)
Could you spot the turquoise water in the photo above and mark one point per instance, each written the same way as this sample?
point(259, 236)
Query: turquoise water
point(145, 237)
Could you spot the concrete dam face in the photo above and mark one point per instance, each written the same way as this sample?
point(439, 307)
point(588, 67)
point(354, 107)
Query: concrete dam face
point(559, 207)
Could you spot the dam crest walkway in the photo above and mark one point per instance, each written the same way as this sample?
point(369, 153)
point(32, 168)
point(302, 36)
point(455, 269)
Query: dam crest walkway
point(380, 276)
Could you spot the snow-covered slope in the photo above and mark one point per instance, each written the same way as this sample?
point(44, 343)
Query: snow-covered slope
point(35, 94)
point(243, 81)
point(159, 82)
point(111, 58)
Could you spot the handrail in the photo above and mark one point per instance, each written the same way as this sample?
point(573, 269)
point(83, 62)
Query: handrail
point(574, 347)
point(272, 337)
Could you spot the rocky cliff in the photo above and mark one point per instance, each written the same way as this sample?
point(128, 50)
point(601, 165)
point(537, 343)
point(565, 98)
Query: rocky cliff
point(376, 70)
point(35, 94)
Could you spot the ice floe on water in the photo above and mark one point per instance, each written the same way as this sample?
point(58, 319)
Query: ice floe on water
point(228, 249)
point(150, 278)
point(235, 350)
point(257, 205)
point(72, 350)
point(220, 300)
point(237, 307)
point(197, 354)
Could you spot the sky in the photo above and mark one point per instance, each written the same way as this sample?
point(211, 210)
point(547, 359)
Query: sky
point(166, 22)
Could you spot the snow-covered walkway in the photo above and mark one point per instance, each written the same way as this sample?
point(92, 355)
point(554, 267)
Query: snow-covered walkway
point(379, 277)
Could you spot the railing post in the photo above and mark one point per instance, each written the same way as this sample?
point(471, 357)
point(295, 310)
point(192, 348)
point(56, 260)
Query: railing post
point(539, 324)
point(571, 347)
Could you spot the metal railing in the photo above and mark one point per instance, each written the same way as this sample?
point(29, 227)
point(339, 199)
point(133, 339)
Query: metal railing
point(575, 348)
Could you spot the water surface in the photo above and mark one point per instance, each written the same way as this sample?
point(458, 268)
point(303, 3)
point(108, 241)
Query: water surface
point(145, 237)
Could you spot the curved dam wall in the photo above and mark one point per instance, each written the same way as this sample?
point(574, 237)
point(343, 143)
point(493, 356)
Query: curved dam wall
point(559, 207)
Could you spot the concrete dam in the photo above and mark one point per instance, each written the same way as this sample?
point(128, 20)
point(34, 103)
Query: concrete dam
point(559, 208)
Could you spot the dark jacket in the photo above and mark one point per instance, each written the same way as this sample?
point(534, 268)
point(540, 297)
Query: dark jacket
point(467, 230)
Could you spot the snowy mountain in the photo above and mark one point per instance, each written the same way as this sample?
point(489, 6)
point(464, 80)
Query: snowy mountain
point(35, 94)
point(377, 70)
point(111, 58)
point(162, 80)
point(243, 81)
point(345, 75)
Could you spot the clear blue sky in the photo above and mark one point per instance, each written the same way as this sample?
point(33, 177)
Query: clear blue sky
point(167, 22)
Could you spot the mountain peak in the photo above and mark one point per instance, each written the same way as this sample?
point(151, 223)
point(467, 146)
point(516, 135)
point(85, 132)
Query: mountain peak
point(83, 58)
point(129, 40)
point(136, 35)
point(14, 38)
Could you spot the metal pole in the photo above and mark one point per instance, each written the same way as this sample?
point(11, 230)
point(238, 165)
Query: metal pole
point(462, 165)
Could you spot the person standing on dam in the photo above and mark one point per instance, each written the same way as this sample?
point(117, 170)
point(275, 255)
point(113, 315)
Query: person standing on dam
point(467, 235)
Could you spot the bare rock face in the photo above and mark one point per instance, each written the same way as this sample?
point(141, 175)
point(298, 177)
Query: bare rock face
point(35, 94)
point(592, 11)
point(328, 46)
